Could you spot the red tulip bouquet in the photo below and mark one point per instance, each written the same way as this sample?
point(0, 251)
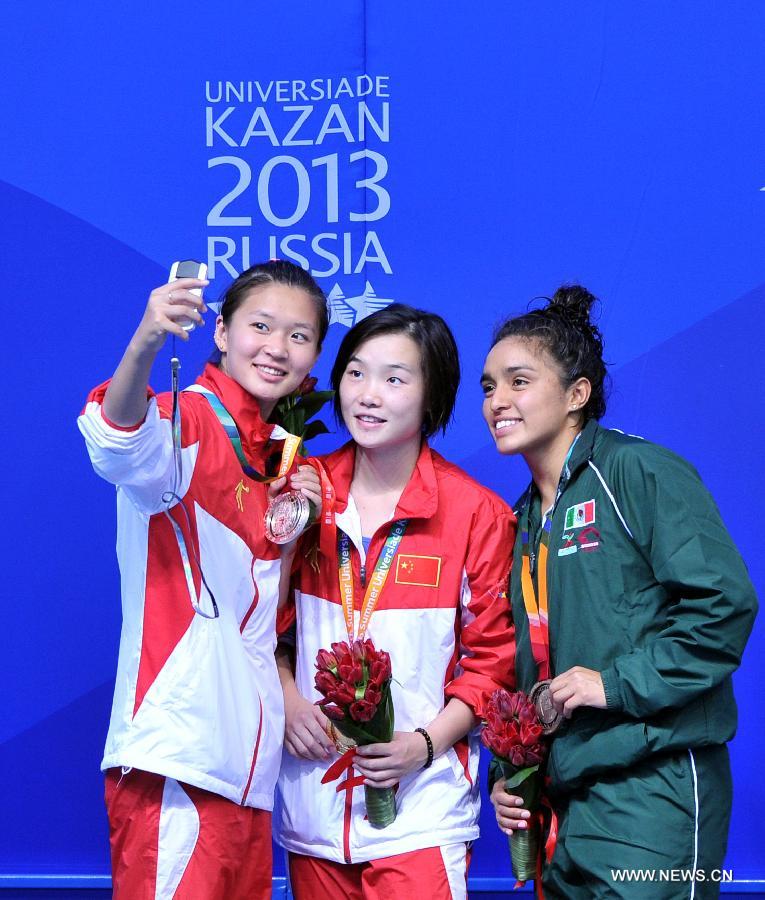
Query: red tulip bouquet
point(354, 681)
point(514, 735)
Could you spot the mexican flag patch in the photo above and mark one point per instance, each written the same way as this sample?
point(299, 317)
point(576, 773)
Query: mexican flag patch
point(580, 515)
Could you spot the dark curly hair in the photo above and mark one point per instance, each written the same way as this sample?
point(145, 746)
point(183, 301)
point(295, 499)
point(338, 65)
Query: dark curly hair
point(564, 328)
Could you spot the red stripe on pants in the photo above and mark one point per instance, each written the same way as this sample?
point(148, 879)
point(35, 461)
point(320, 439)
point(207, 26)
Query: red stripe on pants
point(231, 857)
point(418, 873)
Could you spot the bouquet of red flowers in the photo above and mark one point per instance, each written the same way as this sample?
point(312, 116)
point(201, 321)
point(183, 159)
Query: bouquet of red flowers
point(354, 681)
point(514, 735)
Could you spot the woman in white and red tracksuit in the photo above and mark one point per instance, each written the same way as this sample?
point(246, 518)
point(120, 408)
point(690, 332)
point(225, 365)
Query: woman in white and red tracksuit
point(442, 616)
point(195, 737)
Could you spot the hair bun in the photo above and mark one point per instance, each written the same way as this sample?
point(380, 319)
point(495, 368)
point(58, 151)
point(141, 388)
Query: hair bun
point(563, 328)
point(573, 302)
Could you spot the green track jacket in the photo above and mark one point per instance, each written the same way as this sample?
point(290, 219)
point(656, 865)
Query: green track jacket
point(646, 587)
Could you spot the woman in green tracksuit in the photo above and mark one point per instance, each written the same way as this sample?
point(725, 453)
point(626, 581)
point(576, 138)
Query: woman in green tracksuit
point(650, 606)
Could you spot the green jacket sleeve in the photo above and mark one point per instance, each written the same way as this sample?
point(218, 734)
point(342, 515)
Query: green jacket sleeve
point(711, 602)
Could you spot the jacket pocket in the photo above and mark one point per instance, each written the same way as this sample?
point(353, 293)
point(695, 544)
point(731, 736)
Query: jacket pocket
point(596, 744)
point(708, 720)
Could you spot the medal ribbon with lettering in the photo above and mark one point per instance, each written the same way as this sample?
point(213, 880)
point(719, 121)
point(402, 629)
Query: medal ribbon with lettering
point(289, 451)
point(327, 520)
point(376, 582)
point(537, 611)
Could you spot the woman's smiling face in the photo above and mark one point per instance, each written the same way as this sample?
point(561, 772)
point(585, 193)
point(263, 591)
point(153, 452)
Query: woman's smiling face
point(270, 343)
point(526, 405)
point(382, 392)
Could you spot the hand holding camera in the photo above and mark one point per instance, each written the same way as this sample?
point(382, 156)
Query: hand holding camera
point(174, 308)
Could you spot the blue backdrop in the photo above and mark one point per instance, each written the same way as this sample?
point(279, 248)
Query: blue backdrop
point(461, 161)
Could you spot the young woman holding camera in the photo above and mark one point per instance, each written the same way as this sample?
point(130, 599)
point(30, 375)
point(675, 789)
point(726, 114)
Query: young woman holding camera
point(195, 737)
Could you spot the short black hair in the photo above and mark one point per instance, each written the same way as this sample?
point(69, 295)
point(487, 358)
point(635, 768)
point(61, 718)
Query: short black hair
point(564, 328)
point(438, 354)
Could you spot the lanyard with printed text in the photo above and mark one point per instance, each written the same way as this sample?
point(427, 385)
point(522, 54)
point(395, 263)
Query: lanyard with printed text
point(289, 450)
point(376, 582)
point(327, 519)
point(539, 632)
point(537, 612)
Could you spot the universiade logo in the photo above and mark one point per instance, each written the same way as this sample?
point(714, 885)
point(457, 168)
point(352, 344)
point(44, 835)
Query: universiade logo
point(350, 310)
point(298, 169)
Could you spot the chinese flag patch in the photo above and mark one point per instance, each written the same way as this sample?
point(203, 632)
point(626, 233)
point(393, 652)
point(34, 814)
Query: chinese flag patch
point(423, 571)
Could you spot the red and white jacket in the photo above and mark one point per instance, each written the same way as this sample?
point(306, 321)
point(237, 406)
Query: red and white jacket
point(444, 617)
point(196, 699)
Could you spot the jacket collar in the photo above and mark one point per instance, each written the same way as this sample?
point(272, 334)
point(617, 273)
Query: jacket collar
point(419, 499)
point(243, 408)
point(581, 453)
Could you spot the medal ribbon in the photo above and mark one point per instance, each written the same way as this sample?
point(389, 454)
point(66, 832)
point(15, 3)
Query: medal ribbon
point(289, 450)
point(327, 521)
point(344, 766)
point(376, 582)
point(537, 612)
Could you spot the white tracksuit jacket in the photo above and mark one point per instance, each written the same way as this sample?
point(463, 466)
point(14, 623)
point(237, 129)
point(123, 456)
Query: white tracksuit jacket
point(444, 618)
point(196, 699)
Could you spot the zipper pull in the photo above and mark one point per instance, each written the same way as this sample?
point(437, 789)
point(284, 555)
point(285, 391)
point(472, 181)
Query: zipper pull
point(532, 561)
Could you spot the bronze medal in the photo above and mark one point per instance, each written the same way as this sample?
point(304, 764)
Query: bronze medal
point(540, 696)
point(287, 517)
